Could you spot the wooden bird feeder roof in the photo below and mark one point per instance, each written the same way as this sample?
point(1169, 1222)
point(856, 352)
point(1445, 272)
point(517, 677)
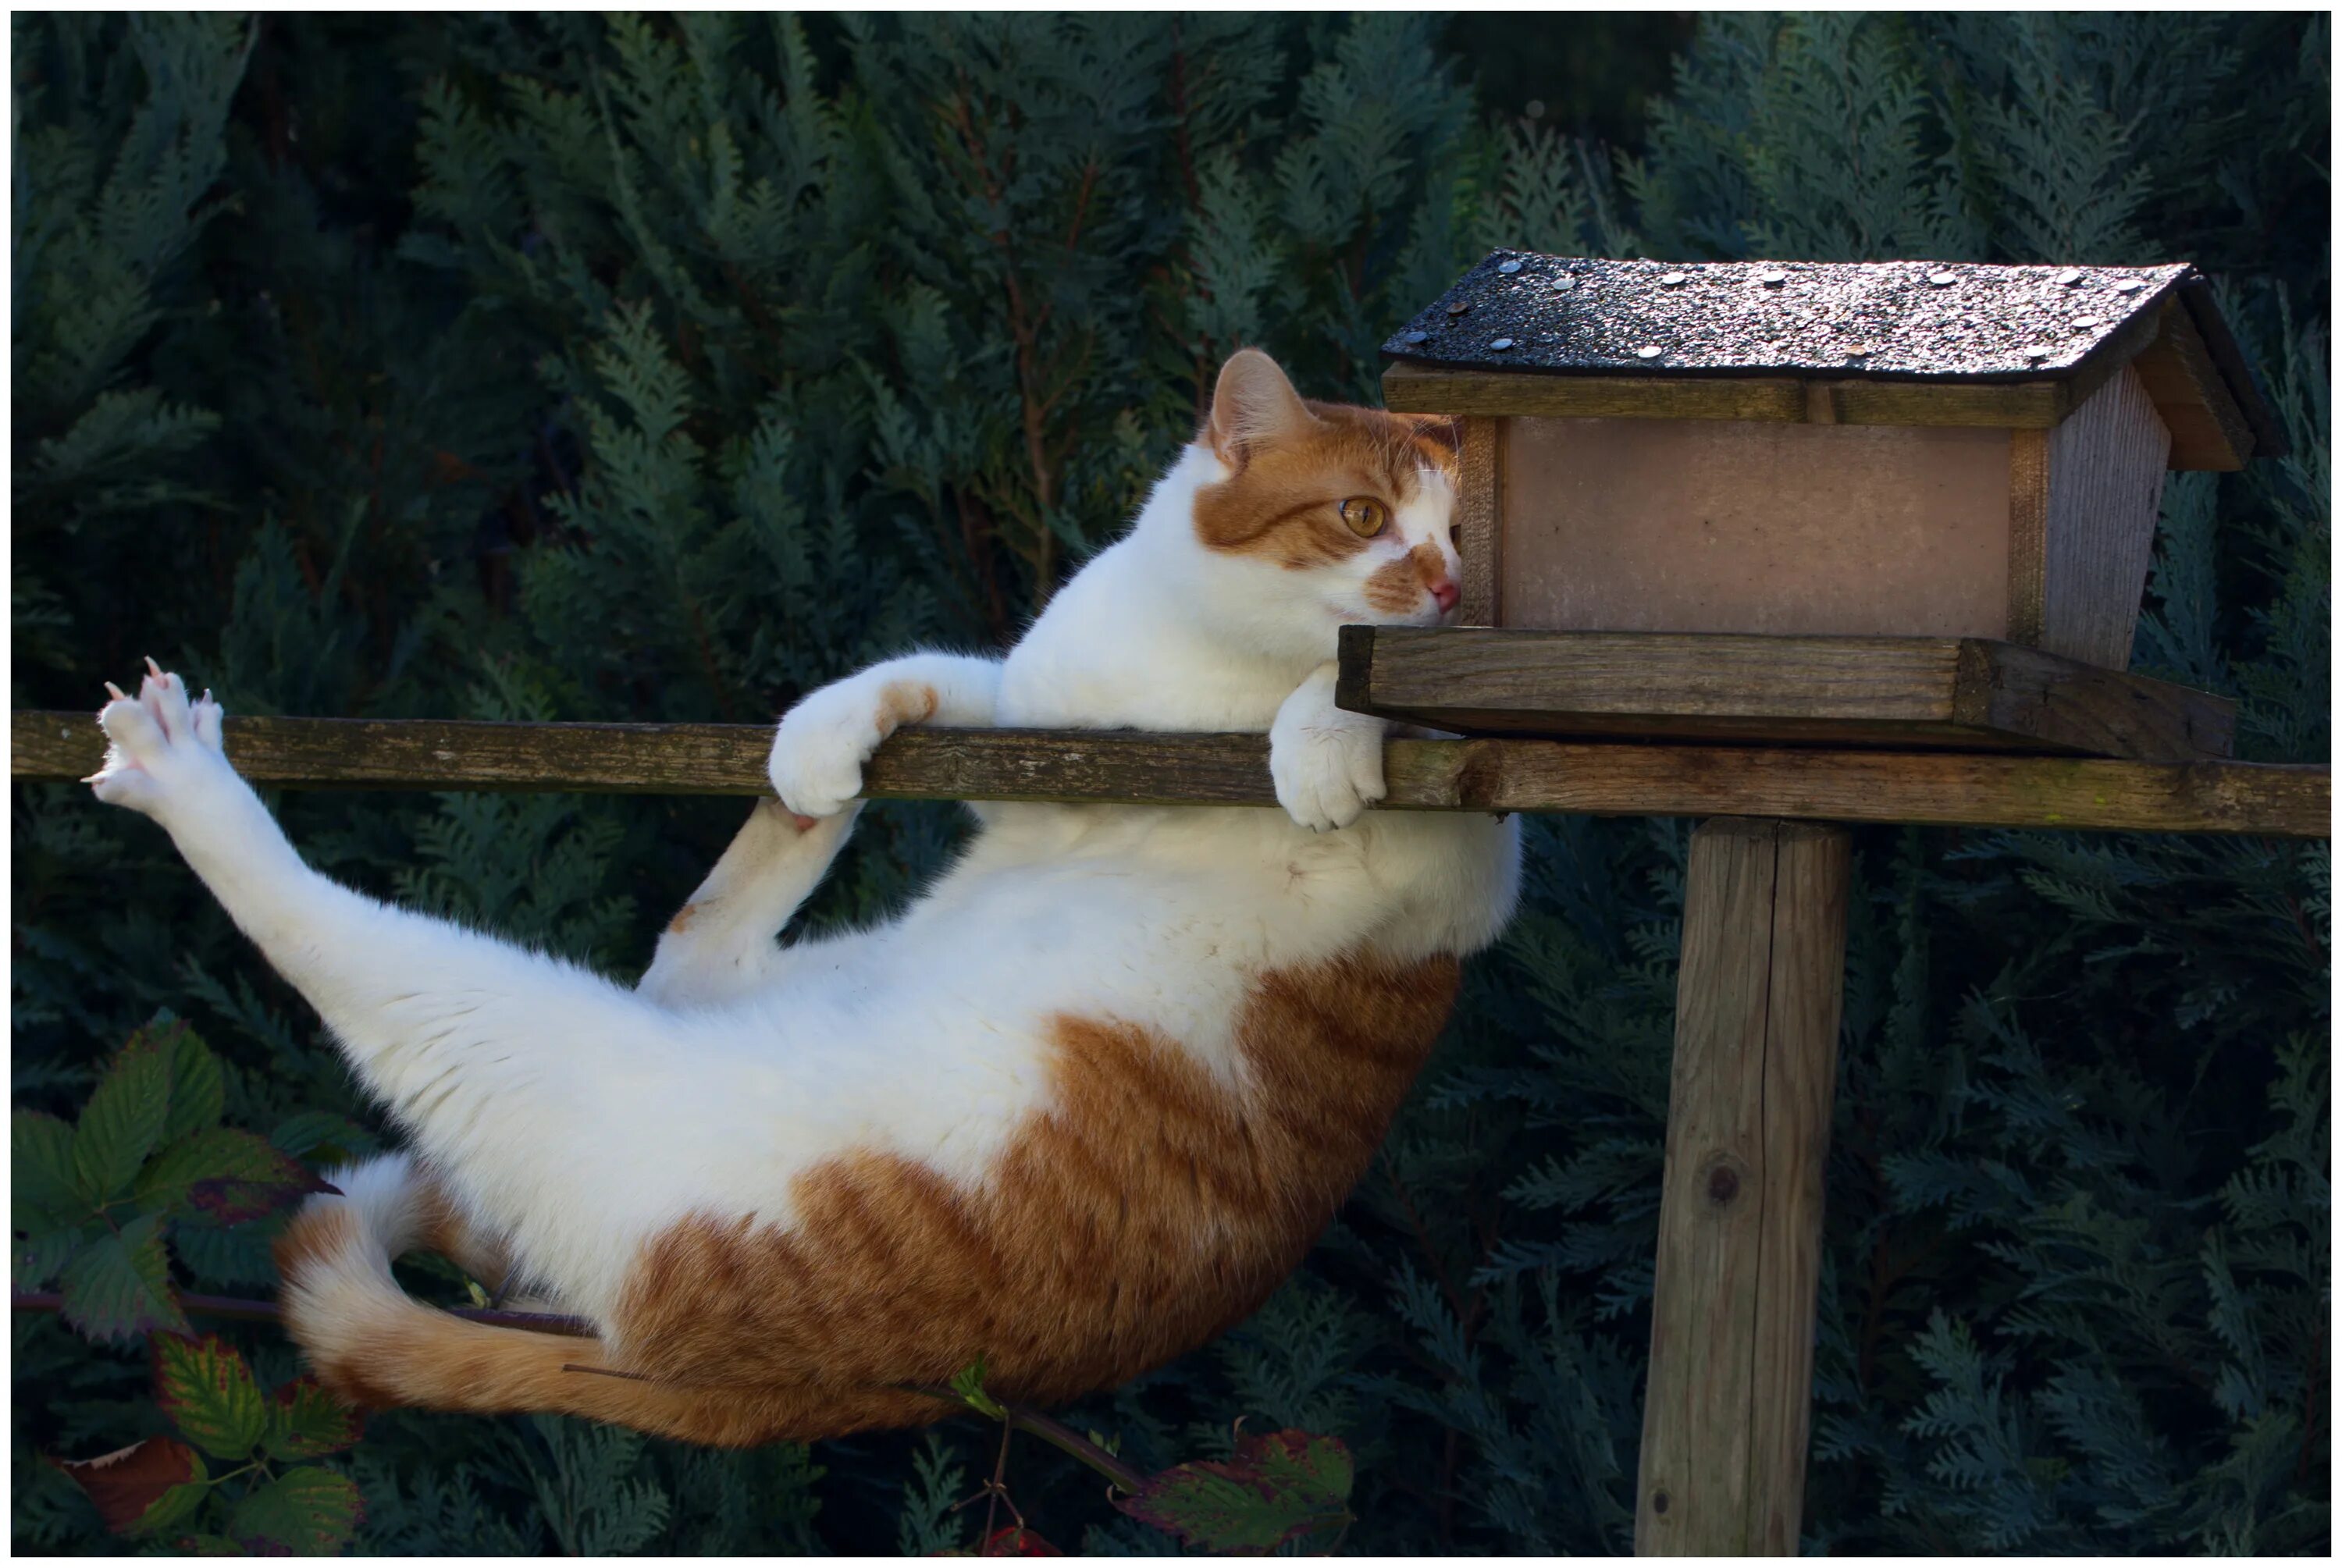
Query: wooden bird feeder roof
point(2043, 337)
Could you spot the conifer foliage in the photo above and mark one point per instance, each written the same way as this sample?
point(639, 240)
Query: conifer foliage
point(572, 367)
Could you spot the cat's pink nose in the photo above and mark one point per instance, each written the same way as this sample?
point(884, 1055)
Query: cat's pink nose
point(1447, 593)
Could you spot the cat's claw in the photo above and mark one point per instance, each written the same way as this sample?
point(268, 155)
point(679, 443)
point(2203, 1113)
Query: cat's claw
point(160, 745)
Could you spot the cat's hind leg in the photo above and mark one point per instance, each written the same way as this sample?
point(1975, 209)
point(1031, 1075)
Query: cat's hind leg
point(499, 1059)
point(721, 945)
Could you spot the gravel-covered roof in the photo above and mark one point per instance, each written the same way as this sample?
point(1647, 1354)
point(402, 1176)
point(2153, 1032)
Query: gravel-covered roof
point(1931, 320)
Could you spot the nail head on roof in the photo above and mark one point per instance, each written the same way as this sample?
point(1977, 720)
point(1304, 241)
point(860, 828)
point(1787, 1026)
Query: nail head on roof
point(2128, 286)
point(2070, 276)
point(1510, 264)
point(1460, 307)
point(1418, 336)
point(1772, 279)
point(2083, 323)
point(1501, 343)
point(1671, 280)
point(1649, 351)
point(1943, 279)
point(1562, 284)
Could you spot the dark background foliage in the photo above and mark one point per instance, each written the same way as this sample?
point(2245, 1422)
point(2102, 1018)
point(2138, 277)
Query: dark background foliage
point(559, 366)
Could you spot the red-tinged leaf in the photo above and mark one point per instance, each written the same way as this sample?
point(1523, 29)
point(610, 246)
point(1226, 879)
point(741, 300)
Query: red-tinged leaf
point(1278, 1487)
point(219, 1173)
point(124, 1119)
point(305, 1422)
point(209, 1393)
point(311, 1512)
point(261, 1183)
point(118, 1286)
point(1015, 1541)
point(145, 1486)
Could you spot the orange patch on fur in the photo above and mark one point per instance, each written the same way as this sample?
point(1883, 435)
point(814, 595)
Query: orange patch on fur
point(1398, 587)
point(906, 703)
point(1146, 1211)
point(682, 921)
point(1284, 501)
point(1147, 1208)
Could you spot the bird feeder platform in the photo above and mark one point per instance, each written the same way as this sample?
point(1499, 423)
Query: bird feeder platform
point(1955, 694)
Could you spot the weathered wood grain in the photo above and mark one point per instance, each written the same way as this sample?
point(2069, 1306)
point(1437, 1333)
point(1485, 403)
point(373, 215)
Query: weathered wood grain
point(1421, 389)
point(2028, 535)
point(1755, 1056)
point(1963, 694)
point(1805, 992)
point(1946, 789)
point(1693, 1497)
point(2106, 468)
point(1480, 518)
point(1425, 389)
point(2209, 430)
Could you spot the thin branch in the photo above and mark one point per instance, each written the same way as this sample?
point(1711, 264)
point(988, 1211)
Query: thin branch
point(1055, 1435)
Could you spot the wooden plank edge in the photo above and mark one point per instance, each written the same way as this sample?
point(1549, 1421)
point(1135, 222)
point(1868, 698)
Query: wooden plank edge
point(1120, 768)
point(1412, 389)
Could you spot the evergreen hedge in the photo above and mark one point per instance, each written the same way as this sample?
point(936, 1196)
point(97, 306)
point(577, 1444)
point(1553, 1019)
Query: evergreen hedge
point(570, 367)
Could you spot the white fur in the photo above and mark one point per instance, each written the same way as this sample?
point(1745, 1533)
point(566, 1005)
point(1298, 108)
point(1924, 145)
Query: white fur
point(577, 1118)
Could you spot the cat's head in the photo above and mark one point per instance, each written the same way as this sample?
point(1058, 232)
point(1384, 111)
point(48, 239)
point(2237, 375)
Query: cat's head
point(1326, 513)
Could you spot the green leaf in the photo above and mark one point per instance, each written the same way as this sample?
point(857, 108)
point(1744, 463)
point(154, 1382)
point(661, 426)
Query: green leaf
point(42, 1192)
point(305, 1421)
point(1276, 1488)
point(123, 1121)
point(142, 1487)
point(310, 1512)
point(208, 1546)
point(969, 1384)
point(198, 1093)
point(119, 1285)
point(35, 1259)
point(209, 1393)
point(225, 1174)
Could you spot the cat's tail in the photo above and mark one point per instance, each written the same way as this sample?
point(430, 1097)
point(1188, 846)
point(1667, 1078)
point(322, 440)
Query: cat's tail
point(373, 1345)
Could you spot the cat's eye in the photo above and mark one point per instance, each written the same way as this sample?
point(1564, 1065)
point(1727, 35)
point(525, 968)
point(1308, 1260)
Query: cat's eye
point(1365, 515)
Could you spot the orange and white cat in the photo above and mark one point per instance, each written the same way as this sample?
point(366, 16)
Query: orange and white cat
point(1076, 1110)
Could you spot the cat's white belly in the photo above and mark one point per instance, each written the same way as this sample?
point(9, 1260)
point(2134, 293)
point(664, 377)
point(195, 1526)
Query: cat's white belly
point(930, 1037)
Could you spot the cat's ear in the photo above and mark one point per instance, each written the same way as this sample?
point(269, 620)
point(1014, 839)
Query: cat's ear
point(1252, 405)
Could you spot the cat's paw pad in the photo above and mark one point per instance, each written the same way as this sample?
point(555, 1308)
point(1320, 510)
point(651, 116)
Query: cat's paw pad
point(818, 752)
point(1328, 769)
point(161, 746)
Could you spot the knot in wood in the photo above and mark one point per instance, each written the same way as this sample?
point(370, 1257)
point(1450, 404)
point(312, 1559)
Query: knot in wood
point(1659, 1501)
point(1723, 1184)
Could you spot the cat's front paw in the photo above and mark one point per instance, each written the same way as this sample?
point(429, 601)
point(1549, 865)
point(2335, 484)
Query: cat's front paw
point(818, 752)
point(163, 750)
point(1327, 765)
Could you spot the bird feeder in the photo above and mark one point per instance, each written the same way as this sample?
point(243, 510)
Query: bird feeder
point(1919, 498)
point(1904, 505)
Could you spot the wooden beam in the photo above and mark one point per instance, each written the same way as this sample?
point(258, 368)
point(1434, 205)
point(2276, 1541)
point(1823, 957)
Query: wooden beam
point(2208, 429)
point(1758, 997)
point(1962, 694)
point(1839, 400)
point(1480, 521)
point(1106, 767)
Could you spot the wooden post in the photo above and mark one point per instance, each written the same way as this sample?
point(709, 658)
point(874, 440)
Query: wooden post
point(1740, 1213)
